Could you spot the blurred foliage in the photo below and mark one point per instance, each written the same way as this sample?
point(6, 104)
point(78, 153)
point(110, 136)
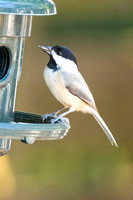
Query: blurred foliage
point(7, 179)
point(90, 15)
point(83, 165)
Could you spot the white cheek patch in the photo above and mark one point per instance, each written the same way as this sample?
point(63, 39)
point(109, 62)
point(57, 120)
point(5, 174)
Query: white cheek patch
point(64, 63)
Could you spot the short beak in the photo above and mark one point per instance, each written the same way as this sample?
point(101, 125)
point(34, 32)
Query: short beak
point(46, 49)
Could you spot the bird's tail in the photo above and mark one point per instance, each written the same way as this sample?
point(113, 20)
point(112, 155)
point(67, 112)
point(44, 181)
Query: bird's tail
point(104, 127)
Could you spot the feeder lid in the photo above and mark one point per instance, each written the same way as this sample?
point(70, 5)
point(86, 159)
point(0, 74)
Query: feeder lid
point(27, 7)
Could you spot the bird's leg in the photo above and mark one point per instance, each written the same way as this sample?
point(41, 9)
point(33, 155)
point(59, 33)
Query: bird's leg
point(58, 111)
point(62, 115)
point(52, 115)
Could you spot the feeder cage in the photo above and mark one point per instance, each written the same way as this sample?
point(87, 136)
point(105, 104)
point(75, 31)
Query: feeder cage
point(15, 26)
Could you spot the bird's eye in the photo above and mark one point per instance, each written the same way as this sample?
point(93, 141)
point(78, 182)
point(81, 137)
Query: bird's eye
point(57, 50)
point(59, 53)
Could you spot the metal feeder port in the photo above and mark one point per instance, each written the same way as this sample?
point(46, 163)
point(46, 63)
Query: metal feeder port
point(15, 26)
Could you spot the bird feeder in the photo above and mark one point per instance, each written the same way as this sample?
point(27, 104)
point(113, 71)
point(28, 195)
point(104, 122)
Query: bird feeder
point(15, 26)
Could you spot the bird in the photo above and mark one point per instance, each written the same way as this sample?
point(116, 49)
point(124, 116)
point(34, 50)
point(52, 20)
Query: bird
point(68, 86)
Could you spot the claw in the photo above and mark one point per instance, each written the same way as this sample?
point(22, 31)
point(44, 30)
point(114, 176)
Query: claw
point(51, 115)
point(65, 120)
point(53, 121)
point(61, 120)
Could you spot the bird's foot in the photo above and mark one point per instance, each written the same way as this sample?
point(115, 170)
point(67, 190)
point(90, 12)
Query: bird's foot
point(51, 115)
point(48, 117)
point(60, 120)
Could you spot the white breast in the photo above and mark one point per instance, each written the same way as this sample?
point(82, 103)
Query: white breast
point(55, 84)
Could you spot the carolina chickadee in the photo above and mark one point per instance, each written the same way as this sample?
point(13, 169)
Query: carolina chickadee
point(69, 87)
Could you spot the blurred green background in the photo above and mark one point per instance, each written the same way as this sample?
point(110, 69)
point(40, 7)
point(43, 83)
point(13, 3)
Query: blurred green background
point(82, 166)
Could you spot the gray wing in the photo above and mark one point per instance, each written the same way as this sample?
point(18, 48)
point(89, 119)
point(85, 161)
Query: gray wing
point(76, 84)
